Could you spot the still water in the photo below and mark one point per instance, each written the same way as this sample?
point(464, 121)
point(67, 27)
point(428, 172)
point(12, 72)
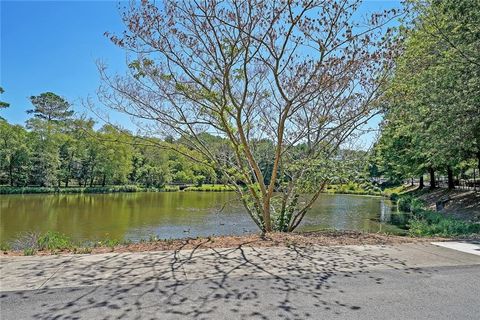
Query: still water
point(136, 216)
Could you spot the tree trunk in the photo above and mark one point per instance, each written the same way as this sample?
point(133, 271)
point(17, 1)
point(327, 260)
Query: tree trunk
point(104, 180)
point(451, 184)
point(10, 172)
point(420, 183)
point(432, 178)
point(69, 169)
point(478, 158)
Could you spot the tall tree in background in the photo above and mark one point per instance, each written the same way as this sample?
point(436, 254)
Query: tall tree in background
point(302, 74)
point(46, 141)
point(14, 153)
point(3, 104)
point(51, 107)
point(51, 113)
point(434, 96)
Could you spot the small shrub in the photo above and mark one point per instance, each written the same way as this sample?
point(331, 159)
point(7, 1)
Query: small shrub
point(4, 246)
point(431, 223)
point(110, 243)
point(29, 251)
point(211, 188)
point(152, 238)
point(404, 203)
point(394, 196)
point(82, 250)
point(52, 240)
point(127, 242)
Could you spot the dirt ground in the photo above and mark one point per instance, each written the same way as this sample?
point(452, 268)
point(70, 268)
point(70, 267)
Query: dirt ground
point(322, 238)
point(461, 204)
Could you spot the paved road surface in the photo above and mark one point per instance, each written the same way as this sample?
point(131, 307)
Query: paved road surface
point(412, 281)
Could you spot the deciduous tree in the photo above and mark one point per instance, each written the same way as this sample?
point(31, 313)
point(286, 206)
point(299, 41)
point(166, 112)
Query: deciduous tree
point(292, 72)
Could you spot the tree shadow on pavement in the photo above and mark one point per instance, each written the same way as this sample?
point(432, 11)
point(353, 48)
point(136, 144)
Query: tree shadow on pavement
point(236, 283)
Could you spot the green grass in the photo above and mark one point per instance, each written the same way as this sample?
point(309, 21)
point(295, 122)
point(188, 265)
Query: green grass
point(111, 243)
point(355, 188)
point(427, 223)
point(430, 223)
point(409, 203)
point(29, 251)
point(5, 246)
point(367, 188)
point(211, 188)
point(54, 241)
point(31, 243)
point(107, 189)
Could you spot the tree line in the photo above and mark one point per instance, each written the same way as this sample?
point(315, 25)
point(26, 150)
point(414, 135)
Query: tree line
point(432, 104)
point(56, 149)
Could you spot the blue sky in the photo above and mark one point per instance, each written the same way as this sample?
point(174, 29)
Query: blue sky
point(53, 46)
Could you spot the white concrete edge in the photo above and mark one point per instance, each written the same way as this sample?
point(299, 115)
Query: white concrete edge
point(463, 246)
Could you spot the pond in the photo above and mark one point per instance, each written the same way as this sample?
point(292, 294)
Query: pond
point(136, 216)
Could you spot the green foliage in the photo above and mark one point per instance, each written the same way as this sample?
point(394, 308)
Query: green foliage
point(409, 203)
point(54, 241)
point(51, 156)
point(5, 246)
point(429, 223)
point(211, 188)
point(424, 222)
point(51, 107)
point(107, 189)
point(394, 196)
point(350, 187)
point(111, 243)
point(29, 251)
point(2, 103)
point(432, 115)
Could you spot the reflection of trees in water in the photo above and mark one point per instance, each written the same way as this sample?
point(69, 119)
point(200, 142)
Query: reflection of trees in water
point(167, 214)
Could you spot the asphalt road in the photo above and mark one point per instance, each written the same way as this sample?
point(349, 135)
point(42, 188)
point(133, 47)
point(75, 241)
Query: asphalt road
point(375, 284)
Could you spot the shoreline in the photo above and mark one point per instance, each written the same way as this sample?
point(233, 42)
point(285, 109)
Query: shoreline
point(275, 239)
point(5, 191)
point(8, 190)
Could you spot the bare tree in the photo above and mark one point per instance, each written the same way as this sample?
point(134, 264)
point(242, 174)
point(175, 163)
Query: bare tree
point(302, 75)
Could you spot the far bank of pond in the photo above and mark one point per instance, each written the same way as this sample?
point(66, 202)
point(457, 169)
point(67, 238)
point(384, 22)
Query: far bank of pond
point(170, 215)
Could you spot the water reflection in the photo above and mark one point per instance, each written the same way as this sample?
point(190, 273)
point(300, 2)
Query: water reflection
point(171, 215)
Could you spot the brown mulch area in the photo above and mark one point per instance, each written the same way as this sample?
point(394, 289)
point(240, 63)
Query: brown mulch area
point(323, 238)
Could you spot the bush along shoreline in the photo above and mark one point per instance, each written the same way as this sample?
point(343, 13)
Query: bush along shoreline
point(109, 189)
point(349, 188)
point(423, 222)
point(52, 242)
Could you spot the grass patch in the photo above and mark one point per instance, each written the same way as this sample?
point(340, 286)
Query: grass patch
point(355, 188)
point(31, 243)
point(211, 188)
point(5, 246)
point(107, 189)
point(54, 241)
point(430, 223)
point(427, 223)
point(29, 251)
